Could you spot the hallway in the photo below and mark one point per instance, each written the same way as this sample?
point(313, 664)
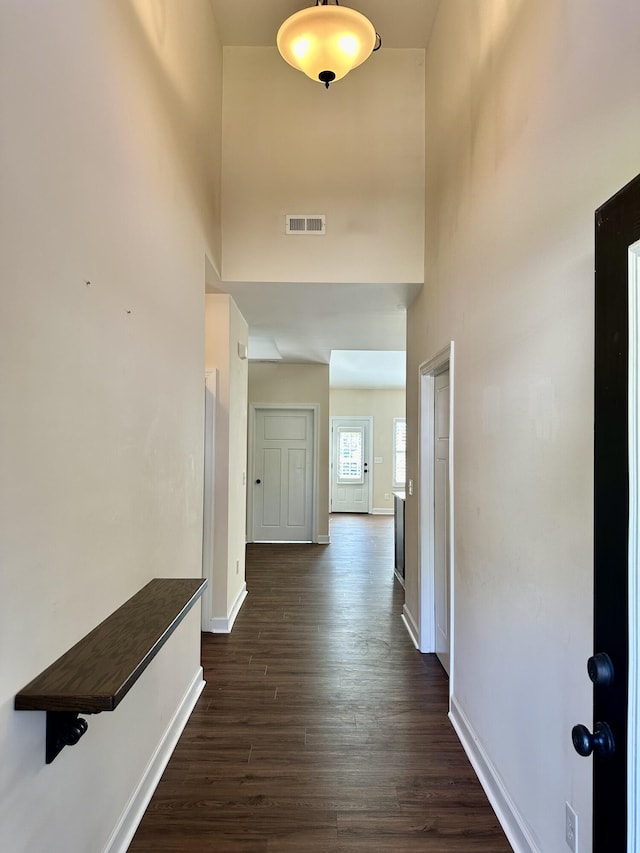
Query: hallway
point(321, 728)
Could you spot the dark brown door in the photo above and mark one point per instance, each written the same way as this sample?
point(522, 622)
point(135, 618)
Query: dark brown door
point(617, 226)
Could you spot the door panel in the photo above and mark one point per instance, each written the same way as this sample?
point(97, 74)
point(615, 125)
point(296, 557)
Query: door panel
point(271, 486)
point(283, 476)
point(297, 464)
point(441, 517)
point(285, 427)
point(617, 227)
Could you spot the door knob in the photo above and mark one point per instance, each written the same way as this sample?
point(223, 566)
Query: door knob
point(601, 741)
point(600, 669)
point(258, 481)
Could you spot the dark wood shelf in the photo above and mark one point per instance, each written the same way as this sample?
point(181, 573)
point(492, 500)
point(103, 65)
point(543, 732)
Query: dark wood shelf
point(98, 672)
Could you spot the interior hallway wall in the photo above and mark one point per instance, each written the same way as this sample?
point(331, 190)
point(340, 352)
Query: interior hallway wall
point(225, 331)
point(353, 152)
point(110, 117)
point(383, 405)
point(533, 120)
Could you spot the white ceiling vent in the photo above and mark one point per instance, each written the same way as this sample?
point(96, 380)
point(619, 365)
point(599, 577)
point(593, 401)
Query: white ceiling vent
point(309, 224)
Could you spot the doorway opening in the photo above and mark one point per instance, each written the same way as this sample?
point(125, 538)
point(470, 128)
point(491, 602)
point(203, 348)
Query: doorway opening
point(436, 515)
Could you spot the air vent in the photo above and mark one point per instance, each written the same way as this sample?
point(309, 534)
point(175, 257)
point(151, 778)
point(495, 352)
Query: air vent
point(298, 224)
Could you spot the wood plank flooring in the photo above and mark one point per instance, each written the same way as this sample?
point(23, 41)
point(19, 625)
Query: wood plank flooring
point(321, 728)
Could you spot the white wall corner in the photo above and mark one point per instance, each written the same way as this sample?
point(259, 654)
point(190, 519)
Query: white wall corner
point(222, 625)
point(324, 539)
point(410, 625)
point(505, 809)
point(134, 810)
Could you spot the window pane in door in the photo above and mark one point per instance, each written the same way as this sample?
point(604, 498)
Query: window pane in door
point(349, 456)
point(399, 451)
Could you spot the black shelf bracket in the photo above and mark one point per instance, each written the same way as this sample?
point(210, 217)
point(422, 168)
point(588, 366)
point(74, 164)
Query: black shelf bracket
point(64, 728)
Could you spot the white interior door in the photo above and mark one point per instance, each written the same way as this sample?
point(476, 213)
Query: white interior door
point(441, 517)
point(351, 442)
point(282, 488)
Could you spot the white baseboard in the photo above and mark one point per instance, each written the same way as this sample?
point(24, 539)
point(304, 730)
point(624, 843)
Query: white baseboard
point(222, 625)
point(324, 539)
point(382, 511)
point(134, 810)
point(410, 625)
point(504, 807)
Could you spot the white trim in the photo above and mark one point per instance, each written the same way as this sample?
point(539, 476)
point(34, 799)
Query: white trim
point(208, 492)
point(220, 625)
point(133, 813)
point(369, 460)
point(383, 510)
point(410, 625)
point(427, 372)
point(633, 725)
point(510, 818)
point(314, 408)
point(324, 539)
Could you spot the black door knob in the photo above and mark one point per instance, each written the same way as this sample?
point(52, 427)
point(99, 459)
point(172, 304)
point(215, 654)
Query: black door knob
point(258, 481)
point(601, 741)
point(600, 669)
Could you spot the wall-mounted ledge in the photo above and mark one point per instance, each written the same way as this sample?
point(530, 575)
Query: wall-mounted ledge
point(98, 672)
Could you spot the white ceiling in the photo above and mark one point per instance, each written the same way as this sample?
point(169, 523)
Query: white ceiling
point(368, 333)
point(401, 23)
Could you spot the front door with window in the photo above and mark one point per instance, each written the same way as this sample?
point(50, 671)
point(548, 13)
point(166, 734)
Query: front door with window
point(350, 464)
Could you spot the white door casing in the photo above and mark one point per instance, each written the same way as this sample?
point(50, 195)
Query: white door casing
point(283, 465)
point(351, 464)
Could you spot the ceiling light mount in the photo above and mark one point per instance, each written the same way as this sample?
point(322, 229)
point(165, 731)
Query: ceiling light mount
point(327, 41)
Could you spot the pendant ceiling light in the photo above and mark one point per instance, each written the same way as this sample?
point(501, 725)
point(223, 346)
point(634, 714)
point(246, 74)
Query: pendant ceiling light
point(326, 42)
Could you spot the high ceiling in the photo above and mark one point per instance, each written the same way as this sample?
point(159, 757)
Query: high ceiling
point(401, 23)
point(301, 318)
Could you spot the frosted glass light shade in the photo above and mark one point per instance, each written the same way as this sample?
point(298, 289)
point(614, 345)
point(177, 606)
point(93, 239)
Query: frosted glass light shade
point(326, 40)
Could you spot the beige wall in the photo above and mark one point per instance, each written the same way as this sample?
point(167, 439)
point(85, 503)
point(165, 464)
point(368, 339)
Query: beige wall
point(354, 153)
point(533, 121)
point(225, 330)
point(109, 204)
point(293, 384)
point(383, 406)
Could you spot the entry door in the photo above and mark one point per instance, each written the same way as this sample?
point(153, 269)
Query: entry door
point(282, 475)
point(441, 517)
point(350, 464)
point(617, 228)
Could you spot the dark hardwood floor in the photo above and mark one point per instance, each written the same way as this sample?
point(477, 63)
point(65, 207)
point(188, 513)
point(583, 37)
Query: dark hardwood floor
point(321, 728)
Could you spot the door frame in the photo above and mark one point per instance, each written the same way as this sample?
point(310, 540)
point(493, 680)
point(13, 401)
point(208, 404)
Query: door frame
point(633, 721)
point(314, 408)
point(368, 419)
point(427, 372)
point(616, 599)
